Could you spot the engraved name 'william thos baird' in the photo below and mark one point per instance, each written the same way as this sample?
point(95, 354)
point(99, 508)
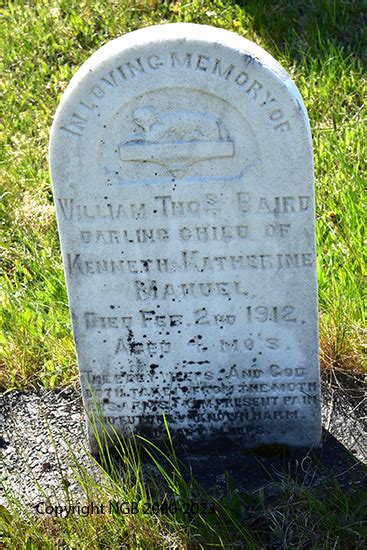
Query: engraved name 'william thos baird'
point(182, 172)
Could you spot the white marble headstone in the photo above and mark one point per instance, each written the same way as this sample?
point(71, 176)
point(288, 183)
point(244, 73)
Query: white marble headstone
point(182, 170)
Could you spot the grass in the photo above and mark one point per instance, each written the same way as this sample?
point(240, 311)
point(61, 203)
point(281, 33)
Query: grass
point(321, 44)
point(125, 502)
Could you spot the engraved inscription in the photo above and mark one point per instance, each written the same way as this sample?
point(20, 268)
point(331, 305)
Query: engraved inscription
point(252, 89)
point(168, 206)
point(187, 261)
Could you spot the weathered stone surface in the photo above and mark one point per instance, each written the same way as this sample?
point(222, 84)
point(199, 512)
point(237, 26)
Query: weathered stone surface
point(182, 169)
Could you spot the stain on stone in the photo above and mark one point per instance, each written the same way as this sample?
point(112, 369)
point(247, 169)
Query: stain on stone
point(133, 346)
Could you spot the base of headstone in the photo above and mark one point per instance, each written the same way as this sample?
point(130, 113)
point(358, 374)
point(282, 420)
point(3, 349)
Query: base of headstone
point(42, 429)
point(251, 470)
point(221, 443)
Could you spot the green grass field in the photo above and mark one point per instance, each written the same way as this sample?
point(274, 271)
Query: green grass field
point(321, 44)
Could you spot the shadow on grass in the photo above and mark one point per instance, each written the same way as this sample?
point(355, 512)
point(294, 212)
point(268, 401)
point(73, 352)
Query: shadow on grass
point(310, 25)
point(270, 495)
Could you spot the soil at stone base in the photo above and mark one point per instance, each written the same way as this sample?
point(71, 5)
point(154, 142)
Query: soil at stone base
point(44, 436)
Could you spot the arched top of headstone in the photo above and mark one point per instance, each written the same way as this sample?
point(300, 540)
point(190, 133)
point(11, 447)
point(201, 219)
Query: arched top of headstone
point(183, 60)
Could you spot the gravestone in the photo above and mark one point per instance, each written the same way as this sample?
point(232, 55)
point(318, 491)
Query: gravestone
point(182, 171)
